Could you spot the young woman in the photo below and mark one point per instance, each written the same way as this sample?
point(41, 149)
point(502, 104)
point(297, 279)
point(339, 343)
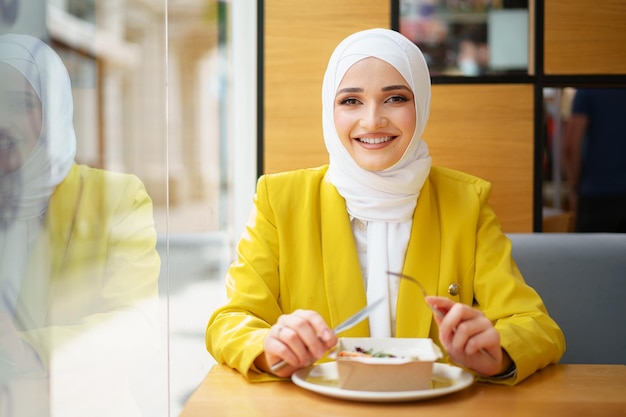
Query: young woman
point(320, 241)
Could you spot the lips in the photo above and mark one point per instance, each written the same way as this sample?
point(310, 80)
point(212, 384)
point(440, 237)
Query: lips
point(375, 141)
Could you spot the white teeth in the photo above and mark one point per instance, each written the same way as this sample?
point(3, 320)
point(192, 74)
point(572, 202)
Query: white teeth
point(375, 141)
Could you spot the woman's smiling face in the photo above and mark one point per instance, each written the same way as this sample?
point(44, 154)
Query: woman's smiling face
point(374, 114)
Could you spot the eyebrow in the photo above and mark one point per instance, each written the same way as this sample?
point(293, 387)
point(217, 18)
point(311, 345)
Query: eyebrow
point(384, 89)
point(396, 87)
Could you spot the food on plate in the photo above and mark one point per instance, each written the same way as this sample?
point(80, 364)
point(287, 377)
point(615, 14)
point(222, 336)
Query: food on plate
point(359, 352)
point(386, 364)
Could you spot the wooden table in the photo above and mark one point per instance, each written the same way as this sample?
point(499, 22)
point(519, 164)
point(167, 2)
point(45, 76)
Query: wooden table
point(558, 390)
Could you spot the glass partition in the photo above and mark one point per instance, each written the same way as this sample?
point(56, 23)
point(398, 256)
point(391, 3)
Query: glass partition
point(114, 211)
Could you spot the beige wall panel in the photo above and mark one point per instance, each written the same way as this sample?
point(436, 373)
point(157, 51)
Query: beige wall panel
point(487, 131)
point(299, 38)
point(585, 37)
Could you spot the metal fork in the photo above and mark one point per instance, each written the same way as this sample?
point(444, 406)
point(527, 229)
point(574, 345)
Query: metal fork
point(435, 310)
point(349, 323)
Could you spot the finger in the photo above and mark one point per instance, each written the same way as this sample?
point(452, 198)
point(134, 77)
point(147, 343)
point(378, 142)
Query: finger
point(476, 344)
point(472, 326)
point(312, 331)
point(284, 343)
point(276, 329)
point(485, 340)
point(299, 336)
point(297, 344)
point(455, 314)
point(466, 338)
point(319, 325)
point(278, 351)
point(485, 360)
point(443, 304)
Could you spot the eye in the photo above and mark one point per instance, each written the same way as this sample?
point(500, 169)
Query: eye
point(349, 101)
point(397, 99)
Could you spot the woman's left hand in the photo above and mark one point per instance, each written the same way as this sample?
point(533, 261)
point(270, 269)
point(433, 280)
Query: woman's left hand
point(464, 331)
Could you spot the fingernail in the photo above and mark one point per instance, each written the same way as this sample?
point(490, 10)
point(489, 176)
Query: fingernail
point(326, 336)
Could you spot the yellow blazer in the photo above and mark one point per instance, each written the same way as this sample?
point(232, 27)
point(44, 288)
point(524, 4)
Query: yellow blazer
point(88, 305)
point(298, 252)
point(96, 252)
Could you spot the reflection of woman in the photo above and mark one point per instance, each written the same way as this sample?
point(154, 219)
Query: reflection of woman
point(319, 241)
point(78, 270)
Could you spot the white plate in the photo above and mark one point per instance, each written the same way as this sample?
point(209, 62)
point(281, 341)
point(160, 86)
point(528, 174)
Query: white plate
point(323, 379)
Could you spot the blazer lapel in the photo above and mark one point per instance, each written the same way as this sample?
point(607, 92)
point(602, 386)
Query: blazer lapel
point(342, 272)
point(413, 317)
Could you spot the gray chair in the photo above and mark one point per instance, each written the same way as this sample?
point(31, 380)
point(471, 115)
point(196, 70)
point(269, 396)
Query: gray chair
point(582, 280)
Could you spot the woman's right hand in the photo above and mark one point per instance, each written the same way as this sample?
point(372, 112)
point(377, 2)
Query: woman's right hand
point(299, 338)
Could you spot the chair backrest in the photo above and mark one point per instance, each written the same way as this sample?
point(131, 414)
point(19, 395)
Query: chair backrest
point(582, 280)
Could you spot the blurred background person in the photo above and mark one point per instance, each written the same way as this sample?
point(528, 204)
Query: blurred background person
point(594, 159)
point(79, 267)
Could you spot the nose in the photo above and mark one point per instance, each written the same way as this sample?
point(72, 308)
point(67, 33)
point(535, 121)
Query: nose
point(373, 117)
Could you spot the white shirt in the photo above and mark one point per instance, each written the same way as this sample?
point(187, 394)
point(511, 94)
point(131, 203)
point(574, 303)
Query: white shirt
point(396, 262)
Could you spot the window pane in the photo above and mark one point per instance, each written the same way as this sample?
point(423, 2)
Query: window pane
point(469, 38)
point(114, 202)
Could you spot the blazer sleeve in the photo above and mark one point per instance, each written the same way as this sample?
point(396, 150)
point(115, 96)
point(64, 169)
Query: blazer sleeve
point(236, 331)
point(297, 252)
point(530, 336)
point(458, 239)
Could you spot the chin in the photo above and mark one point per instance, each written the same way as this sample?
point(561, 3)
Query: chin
point(374, 168)
point(375, 165)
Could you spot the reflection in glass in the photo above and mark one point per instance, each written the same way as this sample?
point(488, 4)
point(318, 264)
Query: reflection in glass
point(153, 100)
point(584, 175)
point(468, 37)
point(79, 266)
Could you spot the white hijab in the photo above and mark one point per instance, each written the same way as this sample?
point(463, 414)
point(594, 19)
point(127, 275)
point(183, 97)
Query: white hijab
point(31, 186)
point(384, 199)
